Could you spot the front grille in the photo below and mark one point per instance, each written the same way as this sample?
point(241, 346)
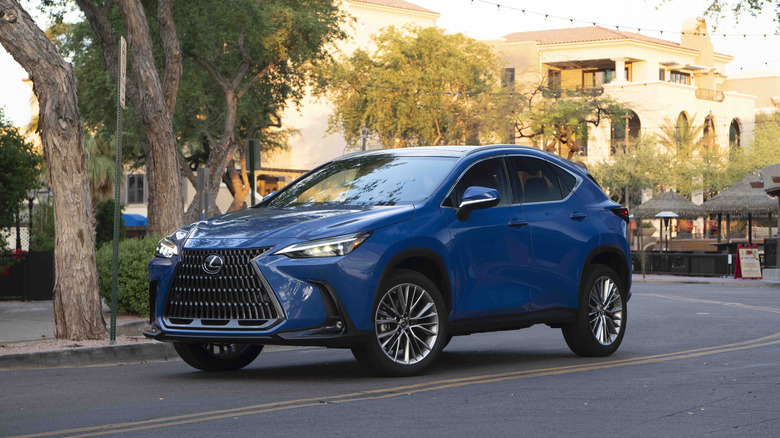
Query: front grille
point(234, 297)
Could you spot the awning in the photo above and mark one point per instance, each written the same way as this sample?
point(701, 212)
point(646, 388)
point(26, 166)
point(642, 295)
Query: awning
point(133, 220)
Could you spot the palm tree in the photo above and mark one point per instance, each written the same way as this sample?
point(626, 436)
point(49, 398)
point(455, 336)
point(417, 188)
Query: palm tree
point(681, 138)
point(100, 168)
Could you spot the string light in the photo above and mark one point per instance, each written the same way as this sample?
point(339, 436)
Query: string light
point(594, 23)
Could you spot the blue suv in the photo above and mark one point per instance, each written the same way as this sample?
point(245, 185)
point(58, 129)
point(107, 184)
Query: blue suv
point(391, 253)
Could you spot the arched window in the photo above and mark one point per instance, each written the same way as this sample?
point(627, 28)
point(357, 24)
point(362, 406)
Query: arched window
point(708, 134)
point(625, 130)
point(682, 121)
point(735, 137)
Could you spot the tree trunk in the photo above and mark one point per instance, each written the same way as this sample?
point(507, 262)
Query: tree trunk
point(77, 310)
point(165, 205)
point(153, 101)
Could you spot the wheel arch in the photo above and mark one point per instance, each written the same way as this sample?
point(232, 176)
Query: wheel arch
point(427, 262)
point(610, 255)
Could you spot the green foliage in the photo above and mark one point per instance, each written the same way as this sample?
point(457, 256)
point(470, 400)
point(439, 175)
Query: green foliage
point(762, 151)
point(132, 274)
point(419, 87)
point(555, 121)
point(267, 50)
point(42, 233)
point(638, 168)
point(104, 215)
point(19, 172)
point(295, 32)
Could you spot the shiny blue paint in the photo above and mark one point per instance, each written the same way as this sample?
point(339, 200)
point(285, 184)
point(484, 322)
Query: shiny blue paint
point(503, 260)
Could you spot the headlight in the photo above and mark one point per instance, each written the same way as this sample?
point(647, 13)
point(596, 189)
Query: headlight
point(166, 248)
point(330, 247)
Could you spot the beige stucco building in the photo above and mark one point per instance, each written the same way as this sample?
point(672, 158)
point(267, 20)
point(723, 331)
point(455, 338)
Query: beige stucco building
point(765, 86)
point(657, 79)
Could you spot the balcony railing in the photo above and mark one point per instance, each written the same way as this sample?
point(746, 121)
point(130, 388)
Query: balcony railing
point(589, 91)
point(715, 95)
point(579, 91)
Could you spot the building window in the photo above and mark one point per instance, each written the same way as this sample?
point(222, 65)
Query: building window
point(661, 75)
point(554, 79)
point(597, 78)
point(135, 188)
point(679, 77)
point(509, 77)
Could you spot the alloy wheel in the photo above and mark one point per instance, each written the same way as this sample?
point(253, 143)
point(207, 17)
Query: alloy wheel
point(407, 324)
point(605, 310)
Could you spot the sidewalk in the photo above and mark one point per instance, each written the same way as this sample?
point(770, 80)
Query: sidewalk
point(729, 281)
point(27, 340)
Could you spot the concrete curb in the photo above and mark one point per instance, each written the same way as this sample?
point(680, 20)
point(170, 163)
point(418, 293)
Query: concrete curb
point(108, 355)
point(714, 281)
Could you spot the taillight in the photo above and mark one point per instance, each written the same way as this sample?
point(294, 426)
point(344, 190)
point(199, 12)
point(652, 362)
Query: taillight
point(621, 212)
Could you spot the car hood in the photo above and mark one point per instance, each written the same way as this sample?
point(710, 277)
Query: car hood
point(249, 226)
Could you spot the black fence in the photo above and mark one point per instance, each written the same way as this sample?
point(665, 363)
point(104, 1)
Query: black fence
point(682, 263)
point(30, 277)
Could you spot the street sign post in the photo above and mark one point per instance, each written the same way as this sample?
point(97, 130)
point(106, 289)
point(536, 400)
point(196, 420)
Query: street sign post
point(117, 172)
point(252, 158)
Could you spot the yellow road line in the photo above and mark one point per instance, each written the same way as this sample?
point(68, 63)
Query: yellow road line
point(426, 386)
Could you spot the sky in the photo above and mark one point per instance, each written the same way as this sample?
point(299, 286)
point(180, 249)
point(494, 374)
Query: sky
point(483, 19)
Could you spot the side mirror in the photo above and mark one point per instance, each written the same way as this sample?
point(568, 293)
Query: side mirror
point(475, 198)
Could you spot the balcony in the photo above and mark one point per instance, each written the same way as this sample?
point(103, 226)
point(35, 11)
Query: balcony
point(714, 95)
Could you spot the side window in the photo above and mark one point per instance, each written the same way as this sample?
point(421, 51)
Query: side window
point(488, 173)
point(568, 181)
point(536, 179)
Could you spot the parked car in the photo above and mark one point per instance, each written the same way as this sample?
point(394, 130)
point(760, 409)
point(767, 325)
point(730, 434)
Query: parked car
point(391, 253)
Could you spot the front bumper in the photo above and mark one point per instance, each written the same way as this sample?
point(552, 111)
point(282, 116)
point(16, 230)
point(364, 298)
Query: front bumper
point(321, 302)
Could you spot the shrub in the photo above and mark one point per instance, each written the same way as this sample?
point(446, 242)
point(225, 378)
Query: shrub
point(132, 274)
point(104, 215)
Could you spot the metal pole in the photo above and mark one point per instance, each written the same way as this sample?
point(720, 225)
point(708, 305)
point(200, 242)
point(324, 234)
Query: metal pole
point(750, 228)
point(18, 233)
point(728, 228)
point(117, 180)
point(252, 181)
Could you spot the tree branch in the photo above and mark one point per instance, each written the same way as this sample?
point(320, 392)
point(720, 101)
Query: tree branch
point(98, 19)
point(211, 69)
point(259, 76)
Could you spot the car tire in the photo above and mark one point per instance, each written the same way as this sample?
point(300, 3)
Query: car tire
point(601, 316)
point(410, 326)
point(217, 356)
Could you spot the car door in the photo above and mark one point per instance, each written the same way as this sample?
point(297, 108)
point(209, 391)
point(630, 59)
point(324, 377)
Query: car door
point(490, 250)
point(560, 230)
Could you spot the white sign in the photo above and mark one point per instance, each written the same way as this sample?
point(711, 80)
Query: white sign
point(748, 260)
point(122, 70)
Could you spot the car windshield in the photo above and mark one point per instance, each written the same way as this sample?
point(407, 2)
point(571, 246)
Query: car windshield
point(381, 179)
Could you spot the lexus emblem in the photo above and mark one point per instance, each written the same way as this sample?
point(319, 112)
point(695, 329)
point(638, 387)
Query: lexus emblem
point(212, 263)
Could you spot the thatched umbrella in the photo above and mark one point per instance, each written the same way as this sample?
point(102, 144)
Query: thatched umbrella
point(741, 200)
point(668, 201)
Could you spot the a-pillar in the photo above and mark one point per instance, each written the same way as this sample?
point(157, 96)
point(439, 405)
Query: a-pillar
point(620, 69)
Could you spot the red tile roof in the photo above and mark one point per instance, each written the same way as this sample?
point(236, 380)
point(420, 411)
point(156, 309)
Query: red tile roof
point(398, 4)
point(583, 34)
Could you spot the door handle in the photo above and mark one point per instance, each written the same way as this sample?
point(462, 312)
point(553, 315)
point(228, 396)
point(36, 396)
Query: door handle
point(577, 215)
point(517, 223)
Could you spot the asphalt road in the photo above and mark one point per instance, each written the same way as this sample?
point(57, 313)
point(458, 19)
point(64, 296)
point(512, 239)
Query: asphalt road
point(697, 360)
